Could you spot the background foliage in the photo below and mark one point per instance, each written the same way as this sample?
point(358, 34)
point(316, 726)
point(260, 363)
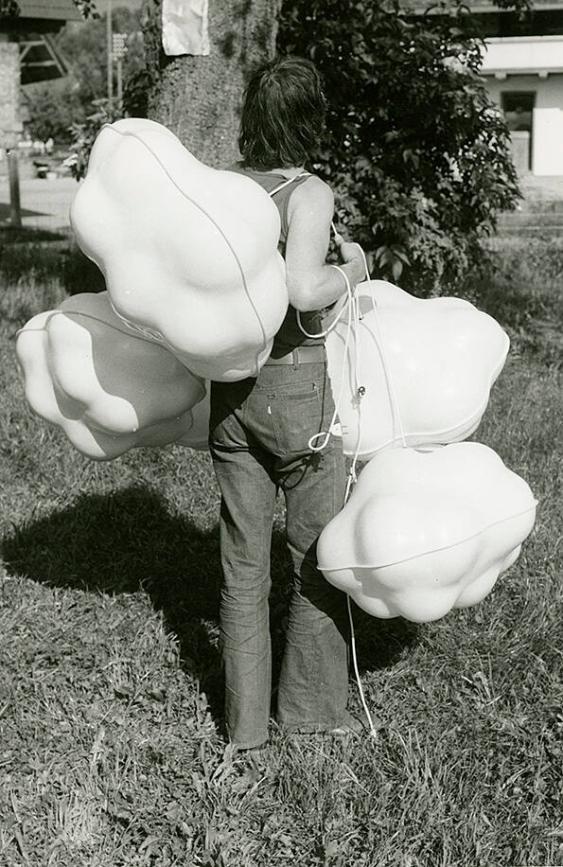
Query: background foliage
point(59, 108)
point(415, 149)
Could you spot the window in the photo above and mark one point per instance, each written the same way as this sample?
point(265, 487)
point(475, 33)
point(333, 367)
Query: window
point(518, 110)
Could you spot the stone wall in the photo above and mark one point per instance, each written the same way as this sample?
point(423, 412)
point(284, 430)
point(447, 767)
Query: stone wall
point(10, 123)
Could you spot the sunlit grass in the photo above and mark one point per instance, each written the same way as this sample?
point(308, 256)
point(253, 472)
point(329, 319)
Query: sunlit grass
point(111, 750)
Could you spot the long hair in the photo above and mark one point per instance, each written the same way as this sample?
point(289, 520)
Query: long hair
point(283, 114)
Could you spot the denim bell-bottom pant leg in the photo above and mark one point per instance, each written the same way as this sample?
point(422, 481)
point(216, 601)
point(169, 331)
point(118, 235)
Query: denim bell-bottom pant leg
point(259, 436)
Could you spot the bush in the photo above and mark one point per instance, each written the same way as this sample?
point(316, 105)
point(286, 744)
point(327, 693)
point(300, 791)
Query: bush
point(53, 107)
point(416, 152)
point(84, 133)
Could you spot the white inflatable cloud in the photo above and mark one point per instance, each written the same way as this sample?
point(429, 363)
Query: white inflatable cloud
point(425, 532)
point(427, 367)
point(107, 387)
point(189, 253)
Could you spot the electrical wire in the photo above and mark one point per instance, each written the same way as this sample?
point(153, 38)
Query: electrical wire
point(354, 318)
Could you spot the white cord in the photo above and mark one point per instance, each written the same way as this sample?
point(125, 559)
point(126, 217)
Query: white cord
point(338, 316)
point(338, 401)
point(393, 399)
point(352, 479)
point(351, 307)
point(353, 322)
point(373, 730)
point(354, 318)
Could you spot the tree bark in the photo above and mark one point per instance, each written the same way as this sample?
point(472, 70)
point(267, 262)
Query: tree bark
point(199, 98)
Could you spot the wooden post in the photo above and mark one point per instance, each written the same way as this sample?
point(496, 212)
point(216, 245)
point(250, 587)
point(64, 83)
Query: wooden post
point(13, 175)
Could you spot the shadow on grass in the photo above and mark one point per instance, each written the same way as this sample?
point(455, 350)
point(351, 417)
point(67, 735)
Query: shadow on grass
point(380, 643)
point(22, 234)
point(35, 257)
point(128, 540)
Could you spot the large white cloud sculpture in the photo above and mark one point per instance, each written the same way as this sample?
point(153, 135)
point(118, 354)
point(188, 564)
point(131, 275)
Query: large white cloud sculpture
point(427, 367)
point(188, 252)
point(425, 532)
point(106, 386)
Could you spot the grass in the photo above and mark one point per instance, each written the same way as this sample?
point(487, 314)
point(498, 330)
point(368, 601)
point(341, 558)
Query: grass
point(39, 258)
point(111, 747)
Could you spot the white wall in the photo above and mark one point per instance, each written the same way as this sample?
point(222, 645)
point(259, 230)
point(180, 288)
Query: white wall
point(547, 131)
point(523, 54)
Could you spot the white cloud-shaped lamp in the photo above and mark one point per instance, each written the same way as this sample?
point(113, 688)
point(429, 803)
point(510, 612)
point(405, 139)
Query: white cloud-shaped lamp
point(426, 365)
point(427, 531)
point(189, 253)
point(108, 388)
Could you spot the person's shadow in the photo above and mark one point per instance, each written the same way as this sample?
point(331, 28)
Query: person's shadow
point(129, 540)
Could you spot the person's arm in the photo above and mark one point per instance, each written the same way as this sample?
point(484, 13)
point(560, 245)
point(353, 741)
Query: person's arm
point(311, 283)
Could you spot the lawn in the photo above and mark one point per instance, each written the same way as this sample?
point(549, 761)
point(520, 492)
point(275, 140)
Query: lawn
point(111, 750)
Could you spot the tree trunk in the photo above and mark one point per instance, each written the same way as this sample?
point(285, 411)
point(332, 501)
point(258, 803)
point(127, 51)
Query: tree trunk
point(199, 98)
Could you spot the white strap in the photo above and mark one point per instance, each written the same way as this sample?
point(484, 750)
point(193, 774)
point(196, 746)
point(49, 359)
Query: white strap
point(287, 183)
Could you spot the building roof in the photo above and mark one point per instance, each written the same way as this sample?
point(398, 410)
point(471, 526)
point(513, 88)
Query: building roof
point(54, 10)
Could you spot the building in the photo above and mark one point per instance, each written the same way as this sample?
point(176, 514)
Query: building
point(27, 54)
point(523, 71)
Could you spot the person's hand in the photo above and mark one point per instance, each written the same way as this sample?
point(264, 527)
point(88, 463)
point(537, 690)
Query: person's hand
point(349, 251)
point(352, 254)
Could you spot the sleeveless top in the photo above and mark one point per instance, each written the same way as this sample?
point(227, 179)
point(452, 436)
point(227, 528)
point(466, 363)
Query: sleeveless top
point(289, 335)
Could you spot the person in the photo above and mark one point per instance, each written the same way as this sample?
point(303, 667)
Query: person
point(260, 432)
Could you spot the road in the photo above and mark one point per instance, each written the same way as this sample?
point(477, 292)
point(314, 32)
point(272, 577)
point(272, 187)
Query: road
point(45, 203)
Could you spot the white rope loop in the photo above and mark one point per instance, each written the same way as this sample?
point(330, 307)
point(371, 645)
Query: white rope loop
point(349, 305)
point(355, 317)
point(353, 321)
